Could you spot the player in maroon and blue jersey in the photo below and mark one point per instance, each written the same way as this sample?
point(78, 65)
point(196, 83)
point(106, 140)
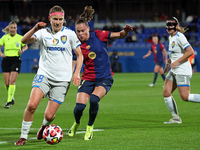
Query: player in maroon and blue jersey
point(96, 79)
point(160, 57)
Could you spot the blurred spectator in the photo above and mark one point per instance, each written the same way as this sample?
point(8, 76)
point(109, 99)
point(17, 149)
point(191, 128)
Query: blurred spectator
point(157, 34)
point(24, 29)
point(134, 37)
point(156, 17)
point(117, 28)
point(164, 38)
point(141, 29)
point(105, 27)
point(187, 35)
point(163, 17)
point(128, 39)
point(189, 18)
point(115, 65)
point(34, 66)
point(112, 27)
point(193, 39)
point(135, 29)
point(150, 38)
point(193, 28)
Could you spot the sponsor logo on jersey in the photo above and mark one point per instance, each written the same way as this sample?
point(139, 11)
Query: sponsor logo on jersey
point(88, 47)
point(173, 44)
point(48, 38)
point(17, 44)
point(56, 48)
point(92, 55)
point(55, 41)
point(63, 39)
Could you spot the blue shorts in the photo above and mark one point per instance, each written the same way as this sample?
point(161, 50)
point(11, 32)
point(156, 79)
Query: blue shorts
point(160, 63)
point(88, 86)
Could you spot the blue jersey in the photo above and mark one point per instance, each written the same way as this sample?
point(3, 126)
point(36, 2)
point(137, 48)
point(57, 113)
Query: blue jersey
point(96, 59)
point(157, 52)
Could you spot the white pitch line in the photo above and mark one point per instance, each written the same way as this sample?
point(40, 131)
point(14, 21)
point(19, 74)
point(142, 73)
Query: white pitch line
point(3, 142)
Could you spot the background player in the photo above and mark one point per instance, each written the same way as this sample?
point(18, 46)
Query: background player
point(55, 69)
point(96, 79)
point(11, 63)
point(160, 57)
point(181, 71)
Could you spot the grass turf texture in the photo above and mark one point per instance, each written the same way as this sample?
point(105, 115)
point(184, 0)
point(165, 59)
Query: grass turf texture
point(131, 116)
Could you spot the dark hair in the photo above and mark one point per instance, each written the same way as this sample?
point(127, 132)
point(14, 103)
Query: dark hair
point(86, 16)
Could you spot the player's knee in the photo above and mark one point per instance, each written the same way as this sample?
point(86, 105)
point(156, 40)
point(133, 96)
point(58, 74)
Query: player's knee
point(31, 108)
point(49, 116)
point(166, 93)
point(94, 100)
point(79, 108)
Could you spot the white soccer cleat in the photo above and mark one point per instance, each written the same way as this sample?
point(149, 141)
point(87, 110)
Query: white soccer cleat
point(174, 121)
point(151, 85)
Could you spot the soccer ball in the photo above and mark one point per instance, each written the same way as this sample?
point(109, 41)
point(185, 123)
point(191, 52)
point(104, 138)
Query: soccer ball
point(53, 134)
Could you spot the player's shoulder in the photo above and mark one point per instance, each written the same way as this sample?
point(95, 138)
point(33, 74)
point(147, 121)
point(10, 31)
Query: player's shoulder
point(179, 34)
point(65, 29)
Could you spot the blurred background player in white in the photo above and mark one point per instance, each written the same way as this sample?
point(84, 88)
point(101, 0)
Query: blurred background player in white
point(181, 71)
point(55, 69)
point(160, 57)
point(11, 62)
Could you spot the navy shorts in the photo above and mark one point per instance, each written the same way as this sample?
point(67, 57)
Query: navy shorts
point(11, 64)
point(160, 63)
point(88, 86)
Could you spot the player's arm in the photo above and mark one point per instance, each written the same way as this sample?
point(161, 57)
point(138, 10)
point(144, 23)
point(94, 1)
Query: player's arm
point(1, 53)
point(165, 54)
point(188, 52)
point(79, 63)
point(147, 55)
point(29, 37)
point(122, 34)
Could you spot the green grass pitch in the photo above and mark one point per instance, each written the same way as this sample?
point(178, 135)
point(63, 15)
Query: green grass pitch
point(130, 117)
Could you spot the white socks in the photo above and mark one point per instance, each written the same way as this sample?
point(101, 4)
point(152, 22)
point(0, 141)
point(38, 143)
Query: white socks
point(25, 129)
point(194, 98)
point(45, 122)
point(171, 105)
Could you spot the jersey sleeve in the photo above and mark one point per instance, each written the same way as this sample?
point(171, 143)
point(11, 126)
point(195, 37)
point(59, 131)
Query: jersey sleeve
point(2, 41)
point(74, 40)
point(183, 42)
point(162, 46)
point(38, 35)
point(103, 35)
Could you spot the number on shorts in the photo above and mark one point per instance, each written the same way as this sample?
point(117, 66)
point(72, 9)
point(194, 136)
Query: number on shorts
point(38, 78)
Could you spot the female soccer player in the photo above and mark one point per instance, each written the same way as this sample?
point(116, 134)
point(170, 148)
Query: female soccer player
point(96, 79)
point(11, 63)
point(55, 69)
point(181, 71)
point(160, 57)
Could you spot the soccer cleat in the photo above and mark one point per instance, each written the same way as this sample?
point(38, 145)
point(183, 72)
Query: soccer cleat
point(89, 133)
point(40, 132)
point(7, 105)
point(174, 121)
point(72, 130)
point(21, 141)
point(151, 85)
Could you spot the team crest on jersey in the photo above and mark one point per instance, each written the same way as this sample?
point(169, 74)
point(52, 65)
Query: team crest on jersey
point(88, 47)
point(92, 55)
point(17, 44)
point(173, 44)
point(55, 41)
point(63, 39)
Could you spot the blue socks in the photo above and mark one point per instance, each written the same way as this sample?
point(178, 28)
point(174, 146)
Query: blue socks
point(78, 111)
point(94, 107)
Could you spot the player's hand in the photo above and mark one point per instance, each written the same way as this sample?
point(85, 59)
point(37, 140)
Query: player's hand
point(128, 28)
point(76, 79)
point(40, 25)
point(20, 52)
point(3, 55)
point(174, 64)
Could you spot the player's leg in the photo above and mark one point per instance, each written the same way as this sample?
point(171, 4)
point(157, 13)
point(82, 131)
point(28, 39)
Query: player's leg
point(35, 98)
point(169, 87)
point(156, 70)
point(101, 89)
point(184, 89)
point(81, 101)
point(11, 88)
point(162, 73)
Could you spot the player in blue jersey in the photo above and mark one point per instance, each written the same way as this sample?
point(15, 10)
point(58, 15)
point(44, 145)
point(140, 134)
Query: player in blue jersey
point(181, 72)
point(96, 79)
point(160, 57)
